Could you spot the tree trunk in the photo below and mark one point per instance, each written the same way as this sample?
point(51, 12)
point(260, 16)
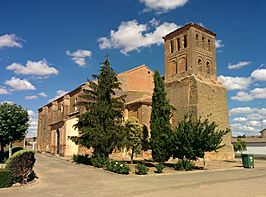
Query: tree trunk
point(10, 150)
point(132, 155)
point(204, 162)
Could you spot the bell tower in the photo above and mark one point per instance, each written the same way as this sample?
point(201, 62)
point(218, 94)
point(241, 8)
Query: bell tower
point(190, 80)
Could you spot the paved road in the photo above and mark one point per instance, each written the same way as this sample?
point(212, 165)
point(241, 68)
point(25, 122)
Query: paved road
point(62, 178)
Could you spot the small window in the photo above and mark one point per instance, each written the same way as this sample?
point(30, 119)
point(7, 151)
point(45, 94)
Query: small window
point(209, 45)
point(185, 41)
point(208, 67)
point(197, 36)
point(62, 107)
point(172, 46)
point(199, 61)
point(203, 39)
point(178, 44)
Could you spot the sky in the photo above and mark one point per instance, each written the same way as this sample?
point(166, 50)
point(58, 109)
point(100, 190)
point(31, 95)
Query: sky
point(48, 48)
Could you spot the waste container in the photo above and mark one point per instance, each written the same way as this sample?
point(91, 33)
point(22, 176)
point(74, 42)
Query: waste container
point(247, 160)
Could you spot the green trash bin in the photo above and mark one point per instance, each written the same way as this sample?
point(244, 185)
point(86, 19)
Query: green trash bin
point(247, 160)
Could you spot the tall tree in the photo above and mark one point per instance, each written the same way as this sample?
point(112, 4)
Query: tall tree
point(100, 126)
point(192, 139)
point(14, 123)
point(160, 122)
point(135, 136)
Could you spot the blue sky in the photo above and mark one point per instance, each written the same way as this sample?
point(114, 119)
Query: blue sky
point(50, 47)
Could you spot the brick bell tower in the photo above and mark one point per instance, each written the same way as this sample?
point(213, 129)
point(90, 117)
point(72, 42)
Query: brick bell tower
point(190, 80)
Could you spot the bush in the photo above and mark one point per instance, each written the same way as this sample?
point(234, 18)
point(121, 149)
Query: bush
point(159, 168)
point(20, 165)
point(118, 167)
point(141, 169)
point(98, 161)
point(184, 164)
point(4, 155)
point(5, 178)
point(84, 159)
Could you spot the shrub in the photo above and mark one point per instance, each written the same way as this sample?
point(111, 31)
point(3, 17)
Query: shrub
point(84, 159)
point(141, 169)
point(159, 168)
point(98, 161)
point(5, 178)
point(118, 167)
point(4, 155)
point(184, 164)
point(20, 165)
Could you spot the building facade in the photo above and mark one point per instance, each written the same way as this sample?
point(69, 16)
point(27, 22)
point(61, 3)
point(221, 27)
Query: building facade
point(56, 119)
point(191, 85)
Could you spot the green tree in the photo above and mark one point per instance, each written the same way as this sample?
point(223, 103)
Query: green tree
point(14, 123)
point(240, 145)
point(160, 122)
point(135, 136)
point(192, 139)
point(100, 126)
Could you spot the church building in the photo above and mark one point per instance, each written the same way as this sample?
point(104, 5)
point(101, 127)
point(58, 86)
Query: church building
point(191, 85)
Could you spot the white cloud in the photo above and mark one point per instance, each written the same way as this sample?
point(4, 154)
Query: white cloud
point(79, 56)
point(241, 110)
point(240, 119)
point(132, 36)
point(257, 93)
point(259, 75)
point(219, 44)
point(3, 91)
point(163, 5)
point(239, 65)
point(19, 84)
point(40, 68)
point(242, 128)
point(253, 123)
point(242, 96)
point(9, 40)
point(32, 130)
point(59, 93)
point(234, 83)
point(31, 97)
point(42, 94)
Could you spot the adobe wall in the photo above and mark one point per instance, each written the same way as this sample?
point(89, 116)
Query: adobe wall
point(202, 98)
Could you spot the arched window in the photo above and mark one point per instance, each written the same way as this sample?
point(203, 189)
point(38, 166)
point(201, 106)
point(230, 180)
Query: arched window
point(173, 68)
point(208, 67)
point(200, 63)
point(182, 65)
point(172, 46)
point(185, 41)
point(178, 44)
point(209, 45)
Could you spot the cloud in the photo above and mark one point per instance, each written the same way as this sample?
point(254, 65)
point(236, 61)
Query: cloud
point(9, 40)
point(239, 65)
point(259, 75)
point(243, 128)
point(79, 56)
point(39, 68)
point(4, 91)
point(19, 84)
point(240, 119)
point(241, 110)
point(31, 97)
point(234, 83)
point(242, 96)
point(42, 94)
point(163, 5)
point(257, 93)
point(132, 36)
point(254, 123)
point(32, 130)
point(59, 93)
point(219, 44)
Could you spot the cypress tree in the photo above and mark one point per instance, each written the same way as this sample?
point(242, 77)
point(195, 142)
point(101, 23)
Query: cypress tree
point(101, 125)
point(160, 122)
